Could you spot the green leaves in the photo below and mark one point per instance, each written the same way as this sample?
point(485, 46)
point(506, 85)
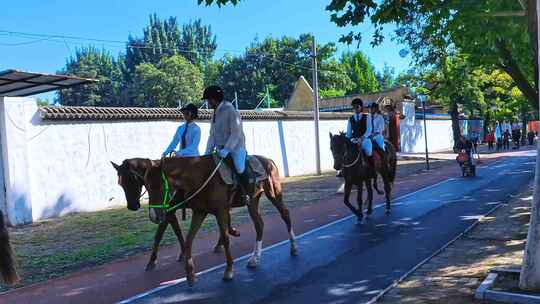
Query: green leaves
point(172, 80)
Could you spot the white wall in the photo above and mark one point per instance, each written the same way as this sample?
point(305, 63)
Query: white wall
point(64, 167)
point(54, 168)
point(439, 136)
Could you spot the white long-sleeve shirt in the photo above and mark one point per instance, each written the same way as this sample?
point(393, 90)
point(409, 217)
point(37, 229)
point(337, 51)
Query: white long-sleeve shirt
point(378, 124)
point(226, 129)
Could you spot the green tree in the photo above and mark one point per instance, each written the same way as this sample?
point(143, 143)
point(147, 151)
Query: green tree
point(278, 63)
point(165, 38)
point(90, 62)
point(455, 85)
point(361, 72)
point(490, 31)
point(386, 78)
point(174, 79)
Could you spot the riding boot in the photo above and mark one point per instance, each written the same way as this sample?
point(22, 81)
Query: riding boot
point(244, 186)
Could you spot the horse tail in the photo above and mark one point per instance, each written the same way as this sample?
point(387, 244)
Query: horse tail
point(392, 161)
point(8, 268)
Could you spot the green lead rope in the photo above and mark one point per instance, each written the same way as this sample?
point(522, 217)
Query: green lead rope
point(167, 197)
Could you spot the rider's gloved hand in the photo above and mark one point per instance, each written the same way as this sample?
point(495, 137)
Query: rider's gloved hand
point(223, 153)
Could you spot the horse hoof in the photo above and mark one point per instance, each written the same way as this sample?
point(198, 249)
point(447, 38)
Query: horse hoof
point(253, 262)
point(228, 276)
point(294, 251)
point(218, 249)
point(191, 280)
point(181, 257)
point(150, 266)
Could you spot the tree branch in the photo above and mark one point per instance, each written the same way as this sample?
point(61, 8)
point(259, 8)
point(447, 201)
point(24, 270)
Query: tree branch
point(510, 66)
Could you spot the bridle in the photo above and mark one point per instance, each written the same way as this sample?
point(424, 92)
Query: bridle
point(168, 197)
point(358, 157)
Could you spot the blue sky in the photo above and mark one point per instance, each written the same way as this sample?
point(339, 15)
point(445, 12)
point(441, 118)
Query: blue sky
point(235, 27)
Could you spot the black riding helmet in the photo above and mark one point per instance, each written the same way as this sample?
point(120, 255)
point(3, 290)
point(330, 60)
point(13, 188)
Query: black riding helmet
point(357, 102)
point(213, 92)
point(191, 108)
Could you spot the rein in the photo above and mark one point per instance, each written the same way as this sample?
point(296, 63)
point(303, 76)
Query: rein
point(168, 197)
point(355, 161)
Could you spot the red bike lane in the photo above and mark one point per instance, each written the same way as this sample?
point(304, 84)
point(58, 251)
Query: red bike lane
point(124, 278)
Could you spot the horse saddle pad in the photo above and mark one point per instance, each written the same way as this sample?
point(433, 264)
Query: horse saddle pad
point(255, 169)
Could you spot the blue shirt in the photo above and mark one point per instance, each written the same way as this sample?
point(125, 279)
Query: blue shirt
point(193, 137)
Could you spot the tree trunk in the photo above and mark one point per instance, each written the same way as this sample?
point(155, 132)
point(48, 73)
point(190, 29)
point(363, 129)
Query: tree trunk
point(456, 131)
point(529, 278)
point(511, 67)
point(532, 24)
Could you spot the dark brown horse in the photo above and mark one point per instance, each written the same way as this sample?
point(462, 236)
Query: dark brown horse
point(194, 175)
point(7, 260)
point(357, 171)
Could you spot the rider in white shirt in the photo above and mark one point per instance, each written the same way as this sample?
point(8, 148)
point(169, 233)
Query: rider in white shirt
point(378, 126)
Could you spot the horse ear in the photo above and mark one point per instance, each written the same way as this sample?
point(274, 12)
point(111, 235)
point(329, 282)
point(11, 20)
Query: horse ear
point(330, 133)
point(117, 167)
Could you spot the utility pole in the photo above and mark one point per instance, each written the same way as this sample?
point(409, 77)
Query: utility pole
point(316, 106)
point(267, 98)
point(423, 99)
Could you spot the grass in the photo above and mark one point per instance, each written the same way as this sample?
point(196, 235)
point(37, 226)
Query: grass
point(56, 247)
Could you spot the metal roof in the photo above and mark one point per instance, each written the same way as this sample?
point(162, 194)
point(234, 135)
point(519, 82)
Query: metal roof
point(16, 83)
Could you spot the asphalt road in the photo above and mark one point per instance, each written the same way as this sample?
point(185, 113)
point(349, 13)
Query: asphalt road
point(346, 262)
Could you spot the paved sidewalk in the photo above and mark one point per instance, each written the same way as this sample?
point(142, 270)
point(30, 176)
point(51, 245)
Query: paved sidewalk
point(454, 274)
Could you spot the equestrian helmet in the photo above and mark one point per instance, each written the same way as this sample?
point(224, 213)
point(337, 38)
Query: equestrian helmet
point(191, 108)
point(213, 92)
point(357, 102)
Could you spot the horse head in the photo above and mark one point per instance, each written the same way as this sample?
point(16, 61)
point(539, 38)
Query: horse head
point(339, 145)
point(131, 178)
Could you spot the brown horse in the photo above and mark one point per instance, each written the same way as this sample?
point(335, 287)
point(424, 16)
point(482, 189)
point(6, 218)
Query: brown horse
point(356, 171)
point(131, 178)
point(7, 260)
point(194, 175)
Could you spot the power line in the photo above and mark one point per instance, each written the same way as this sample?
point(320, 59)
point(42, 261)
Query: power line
point(124, 44)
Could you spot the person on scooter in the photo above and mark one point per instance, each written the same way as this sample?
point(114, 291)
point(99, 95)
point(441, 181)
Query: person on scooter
point(467, 145)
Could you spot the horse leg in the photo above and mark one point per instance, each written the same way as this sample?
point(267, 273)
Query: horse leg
point(157, 239)
point(388, 192)
point(347, 194)
point(255, 215)
point(196, 222)
point(173, 220)
point(223, 223)
point(369, 198)
point(277, 201)
point(360, 202)
point(376, 186)
point(232, 230)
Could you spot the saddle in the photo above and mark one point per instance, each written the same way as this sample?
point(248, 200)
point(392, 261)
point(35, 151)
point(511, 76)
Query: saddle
point(254, 168)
